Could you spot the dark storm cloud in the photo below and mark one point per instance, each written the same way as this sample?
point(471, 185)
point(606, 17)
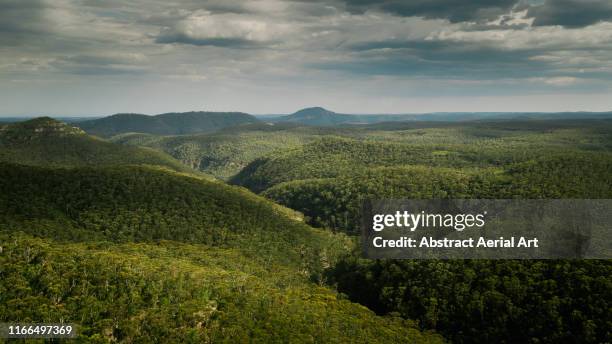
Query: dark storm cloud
point(567, 13)
point(100, 64)
point(215, 6)
point(95, 70)
point(15, 13)
point(438, 59)
point(453, 10)
point(472, 60)
point(571, 13)
point(182, 38)
point(20, 19)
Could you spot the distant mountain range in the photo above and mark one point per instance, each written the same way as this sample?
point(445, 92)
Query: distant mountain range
point(201, 122)
point(319, 116)
point(165, 124)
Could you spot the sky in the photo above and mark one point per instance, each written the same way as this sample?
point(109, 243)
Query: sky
point(99, 57)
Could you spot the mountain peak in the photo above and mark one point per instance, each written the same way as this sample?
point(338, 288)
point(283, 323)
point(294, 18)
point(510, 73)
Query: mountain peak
point(314, 111)
point(317, 116)
point(37, 127)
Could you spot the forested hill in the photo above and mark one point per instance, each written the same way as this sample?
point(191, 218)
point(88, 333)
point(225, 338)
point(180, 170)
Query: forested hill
point(328, 178)
point(317, 116)
point(47, 142)
point(470, 301)
point(225, 153)
point(132, 203)
point(166, 124)
point(90, 246)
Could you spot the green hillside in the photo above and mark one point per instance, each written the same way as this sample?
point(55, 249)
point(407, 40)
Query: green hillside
point(474, 146)
point(335, 202)
point(132, 203)
point(165, 124)
point(176, 293)
point(332, 157)
point(467, 301)
point(225, 153)
point(317, 116)
point(90, 246)
point(156, 255)
point(47, 142)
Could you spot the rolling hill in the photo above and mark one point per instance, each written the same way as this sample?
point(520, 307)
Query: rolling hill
point(136, 204)
point(109, 238)
point(467, 146)
point(47, 142)
point(328, 178)
point(91, 246)
point(171, 292)
point(468, 301)
point(223, 154)
point(165, 124)
point(316, 116)
point(132, 252)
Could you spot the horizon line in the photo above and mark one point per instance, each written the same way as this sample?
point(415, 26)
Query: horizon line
point(285, 114)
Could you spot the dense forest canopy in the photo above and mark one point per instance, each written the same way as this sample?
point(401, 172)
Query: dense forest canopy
point(89, 245)
point(225, 153)
point(134, 204)
point(125, 238)
point(467, 301)
point(174, 292)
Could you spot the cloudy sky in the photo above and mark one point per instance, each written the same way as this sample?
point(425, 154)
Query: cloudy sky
point(94, 57)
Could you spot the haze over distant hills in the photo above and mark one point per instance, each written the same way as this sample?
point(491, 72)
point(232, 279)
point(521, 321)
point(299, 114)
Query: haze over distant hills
point(203, 122)
point(319, 116)
point(165, 124)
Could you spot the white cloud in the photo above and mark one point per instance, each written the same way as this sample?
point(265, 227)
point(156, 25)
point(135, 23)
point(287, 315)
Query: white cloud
point(205, 25)
point(559, 81)
point(548, 37)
